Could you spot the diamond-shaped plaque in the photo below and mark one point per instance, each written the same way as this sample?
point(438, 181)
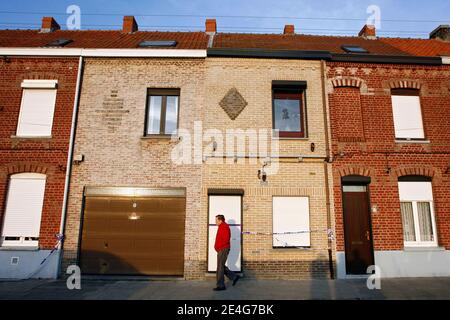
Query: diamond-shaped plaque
point(233, 103)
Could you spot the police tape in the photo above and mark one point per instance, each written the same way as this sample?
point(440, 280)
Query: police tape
point(329, 232)
point(60, 239)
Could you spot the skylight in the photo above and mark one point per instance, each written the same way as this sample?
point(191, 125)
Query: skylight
point(59, 43)
point(354, 49)
point(157, 43)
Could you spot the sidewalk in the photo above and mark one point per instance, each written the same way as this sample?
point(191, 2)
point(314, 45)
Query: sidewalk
point(405, 288)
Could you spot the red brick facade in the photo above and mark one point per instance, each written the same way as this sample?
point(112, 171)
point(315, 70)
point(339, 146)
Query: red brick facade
point(363, 142)
point(48, 156)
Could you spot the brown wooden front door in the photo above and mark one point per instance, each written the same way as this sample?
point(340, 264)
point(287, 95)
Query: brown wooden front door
point(357, 228)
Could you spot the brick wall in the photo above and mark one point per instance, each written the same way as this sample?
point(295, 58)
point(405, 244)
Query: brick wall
point(110, 136)
point(47, 156)
point(363, 142)
point(253, 78)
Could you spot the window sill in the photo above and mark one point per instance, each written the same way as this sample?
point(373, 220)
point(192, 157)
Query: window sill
point(160, 136)
point(289, 138)
point(427, 248)
point(292, 248)
point(18, 248)
point(31, 137)
point(412, 141)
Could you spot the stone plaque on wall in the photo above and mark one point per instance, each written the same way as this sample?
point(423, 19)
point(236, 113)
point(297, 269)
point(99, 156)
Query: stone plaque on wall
point(233, 103)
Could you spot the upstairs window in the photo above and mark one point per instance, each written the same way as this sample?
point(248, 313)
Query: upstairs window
point(416, 207)
point(289, 108)
point(407, 114)
point(22, 221)
point(162, 111)
point(37, 108)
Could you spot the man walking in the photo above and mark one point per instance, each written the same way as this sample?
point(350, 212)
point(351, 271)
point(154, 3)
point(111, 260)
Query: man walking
point(222, 246)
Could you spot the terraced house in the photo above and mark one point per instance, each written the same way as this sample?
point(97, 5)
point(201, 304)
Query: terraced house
point(390, 154)
point(281, 185)
point(325, 154)
point(37, 97)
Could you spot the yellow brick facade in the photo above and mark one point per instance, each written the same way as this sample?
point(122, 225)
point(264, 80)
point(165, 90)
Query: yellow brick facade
point(111, 141)
point(110, 136)
point(253, 80)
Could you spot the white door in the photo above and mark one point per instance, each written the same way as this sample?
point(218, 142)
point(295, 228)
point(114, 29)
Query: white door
point(230, 207)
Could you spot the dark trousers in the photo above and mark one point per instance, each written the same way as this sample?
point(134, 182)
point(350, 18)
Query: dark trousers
point(222, 270)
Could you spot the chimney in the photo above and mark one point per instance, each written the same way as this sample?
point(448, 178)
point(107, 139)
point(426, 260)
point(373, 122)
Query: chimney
point(289, 29)
point(210, 26)
point(49, 24)
point(129, 24)
point(368, 32)
point(441, 33)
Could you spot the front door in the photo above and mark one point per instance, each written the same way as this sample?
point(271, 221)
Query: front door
point(230, 207)
point(358, 236)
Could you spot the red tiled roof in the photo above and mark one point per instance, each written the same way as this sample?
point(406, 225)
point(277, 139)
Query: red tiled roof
point(100, 38)
point(302, 42)
point(199, 40)
point(420, 47)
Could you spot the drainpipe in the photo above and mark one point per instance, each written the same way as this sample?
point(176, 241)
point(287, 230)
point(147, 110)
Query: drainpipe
point(69, 161)
point(325, 164)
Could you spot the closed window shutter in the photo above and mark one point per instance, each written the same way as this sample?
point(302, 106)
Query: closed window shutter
point(407, 117)
point(24, 205)
point(415, 191)
point(291, 214)
point(36, 112)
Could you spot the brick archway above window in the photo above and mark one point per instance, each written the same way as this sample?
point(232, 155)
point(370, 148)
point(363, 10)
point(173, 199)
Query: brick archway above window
point(414, 171)
point(347, 82)
point(407, 84)
point(354, 171)
point(19, 167)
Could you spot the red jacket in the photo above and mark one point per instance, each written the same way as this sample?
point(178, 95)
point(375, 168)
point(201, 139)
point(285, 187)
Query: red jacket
point(222, 237)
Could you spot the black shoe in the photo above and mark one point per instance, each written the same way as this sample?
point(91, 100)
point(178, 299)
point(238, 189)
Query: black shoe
point(236, 280)
point(219, 288)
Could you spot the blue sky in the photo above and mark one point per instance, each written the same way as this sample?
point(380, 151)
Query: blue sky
point(413, 18)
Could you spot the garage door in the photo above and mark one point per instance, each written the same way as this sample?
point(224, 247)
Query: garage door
point(133, 232)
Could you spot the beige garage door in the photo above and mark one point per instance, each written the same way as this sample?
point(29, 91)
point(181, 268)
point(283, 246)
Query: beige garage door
point(133, 235)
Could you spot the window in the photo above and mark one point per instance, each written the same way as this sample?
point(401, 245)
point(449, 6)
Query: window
point(37, 108)
point(353, 49)
point(407, 114)
point(24, 203)
point(291, 214)
point(416, 207)
point(162, 111)
point(288, 109)
point(59, 43)
point(157, 43)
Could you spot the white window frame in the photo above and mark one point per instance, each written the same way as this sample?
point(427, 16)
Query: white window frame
point(36, 85)
point(23, 241)
point(414, 201)
point(300, 240)
point(394, 98)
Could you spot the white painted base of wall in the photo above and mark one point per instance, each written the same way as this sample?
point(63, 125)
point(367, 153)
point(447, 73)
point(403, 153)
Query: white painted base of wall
point(29, 262)
point(424, 262)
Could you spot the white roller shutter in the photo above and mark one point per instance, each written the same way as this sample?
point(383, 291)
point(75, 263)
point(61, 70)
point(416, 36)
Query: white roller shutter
point(407, 117)
point(36, 112)
point(291, 214)
point(415, 191)
point(23, 208)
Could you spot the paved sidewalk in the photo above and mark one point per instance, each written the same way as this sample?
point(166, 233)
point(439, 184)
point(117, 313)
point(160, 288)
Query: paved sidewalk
point(405, 288)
